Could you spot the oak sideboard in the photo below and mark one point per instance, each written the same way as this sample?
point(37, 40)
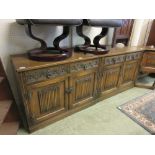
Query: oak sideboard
point(50, 91)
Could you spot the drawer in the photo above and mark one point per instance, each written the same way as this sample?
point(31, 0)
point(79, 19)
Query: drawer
point(114, 59)
point(38, 75)
point(133, 56)
point(84, 65)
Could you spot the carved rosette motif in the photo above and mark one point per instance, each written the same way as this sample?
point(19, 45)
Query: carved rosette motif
point(84, 65)
point(44, 74)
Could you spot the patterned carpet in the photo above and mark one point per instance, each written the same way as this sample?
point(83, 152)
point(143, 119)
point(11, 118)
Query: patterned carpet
point(142, 110)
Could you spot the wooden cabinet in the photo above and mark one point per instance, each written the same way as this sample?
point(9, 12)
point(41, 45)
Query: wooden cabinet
point(46, 99)
point(118, 71)
point(82, 82)
point(148, 61)
point(110, 73)
point(82, 86)
point(51, 91)
point(129, 72)
point(109, 78)
point(130, 69)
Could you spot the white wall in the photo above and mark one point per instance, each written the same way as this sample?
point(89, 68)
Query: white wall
point(140, 32)
point(13, 40)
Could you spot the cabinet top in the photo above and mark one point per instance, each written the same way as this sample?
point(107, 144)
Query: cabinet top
point(21, 62)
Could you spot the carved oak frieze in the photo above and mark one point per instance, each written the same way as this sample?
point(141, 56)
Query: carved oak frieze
point(133, 56)
point(79, 66)
point(44, 74)
point(114, 59)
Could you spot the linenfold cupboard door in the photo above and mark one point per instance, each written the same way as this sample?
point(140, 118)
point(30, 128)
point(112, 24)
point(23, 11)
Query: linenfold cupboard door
point(109, 78)
point(82, 83)
point(82, 88)
point(130, 69)
point(47, 99)
point(129, 72)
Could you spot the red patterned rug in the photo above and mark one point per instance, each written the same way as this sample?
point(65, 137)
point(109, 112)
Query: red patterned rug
point(142, 111)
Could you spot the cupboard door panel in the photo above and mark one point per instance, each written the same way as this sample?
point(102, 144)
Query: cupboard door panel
point(130, 71)
point(109, 78)
point(83, 89)
point(49, 100)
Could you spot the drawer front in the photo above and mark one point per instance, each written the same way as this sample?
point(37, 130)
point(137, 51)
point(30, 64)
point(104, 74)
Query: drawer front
point(84, 65)
point(114, 60)
point(133, 56)
point(44, 74)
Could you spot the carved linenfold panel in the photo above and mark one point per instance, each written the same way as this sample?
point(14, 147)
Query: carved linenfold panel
point(99, 84)
point(46, 100)
point(109, 78)
point(114, 59)
point(44, 74)
point(133, 56)
point(49, 99)
point(129, 72)
point(79, 66)
point(83, 88)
